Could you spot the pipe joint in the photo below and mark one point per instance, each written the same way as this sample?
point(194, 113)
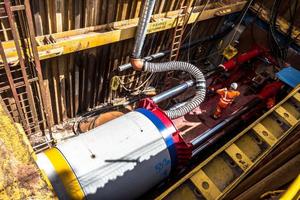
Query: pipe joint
point(137, 64)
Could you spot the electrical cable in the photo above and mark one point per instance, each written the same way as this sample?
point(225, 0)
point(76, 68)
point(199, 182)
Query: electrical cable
point(227, 30)
point(136, 88)
point(147, 80)
point(292, 22)
point(197, 18)
point(241, 20)
point(239, 24)
point(192, 28)
point(276, 49)
point(254, 20)
point(280, 51)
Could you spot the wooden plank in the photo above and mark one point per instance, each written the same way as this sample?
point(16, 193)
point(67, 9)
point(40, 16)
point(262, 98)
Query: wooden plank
point(78, 40)
point(93, 60)
point(77, 25)
point(76, 85)
point(36, 8)
point(70, 86)
point(56, 90)
point(138, 8)
point(82, 83)
point(59, 12)
point(61, 65)
point(47, 73)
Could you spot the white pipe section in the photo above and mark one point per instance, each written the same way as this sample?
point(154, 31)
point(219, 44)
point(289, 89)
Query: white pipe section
point(121, 159)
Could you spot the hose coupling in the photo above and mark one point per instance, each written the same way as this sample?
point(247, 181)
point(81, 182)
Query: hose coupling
point(137, 64)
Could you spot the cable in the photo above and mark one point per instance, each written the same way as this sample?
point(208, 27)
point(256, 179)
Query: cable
point(192, 28)
point(292, 22)
point(280, 51)
point(227, 30)
point(239, 24)
point(241, 20)
point(274, 43)
point(255, 19)
point(199, 15)
point(136, 88)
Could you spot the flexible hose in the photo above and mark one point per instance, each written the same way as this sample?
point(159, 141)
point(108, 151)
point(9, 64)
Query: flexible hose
point(199, 82)
point(142, 28)
point(168, 66)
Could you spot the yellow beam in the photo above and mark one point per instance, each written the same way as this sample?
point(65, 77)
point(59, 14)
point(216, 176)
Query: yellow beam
point(205, 185)
point(81, 39)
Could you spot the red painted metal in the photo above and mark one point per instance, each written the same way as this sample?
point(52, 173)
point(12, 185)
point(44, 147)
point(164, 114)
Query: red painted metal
point(150, 105)
point(232, 63)
point(183, 149)
point(270, 90)
point(268, 93)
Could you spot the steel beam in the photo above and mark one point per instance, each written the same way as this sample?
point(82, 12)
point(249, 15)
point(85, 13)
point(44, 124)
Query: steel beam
point(58, 44)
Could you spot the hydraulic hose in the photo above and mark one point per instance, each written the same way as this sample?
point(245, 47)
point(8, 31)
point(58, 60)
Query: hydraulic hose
point(139, 65)
point(200, 84)
point(227, 28)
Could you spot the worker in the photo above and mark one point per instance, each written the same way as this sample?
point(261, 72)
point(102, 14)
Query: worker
point(227, 96)
point(271, 102)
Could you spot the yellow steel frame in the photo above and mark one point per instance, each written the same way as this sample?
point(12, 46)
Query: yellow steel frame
point(208, 183)
point(86, 38)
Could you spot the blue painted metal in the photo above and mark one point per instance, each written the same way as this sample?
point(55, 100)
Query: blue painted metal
point(162, 128)
point(290, 76)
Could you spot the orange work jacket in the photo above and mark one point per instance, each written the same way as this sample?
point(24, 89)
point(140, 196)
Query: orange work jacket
point(227, 96)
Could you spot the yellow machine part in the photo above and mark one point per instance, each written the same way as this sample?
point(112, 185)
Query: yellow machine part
point(293, 192)
point(65, 173)
point(229, 52)
point(20, 177)
point(221, 172)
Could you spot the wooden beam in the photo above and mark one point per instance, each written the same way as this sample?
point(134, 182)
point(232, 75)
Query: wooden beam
point(62, 43)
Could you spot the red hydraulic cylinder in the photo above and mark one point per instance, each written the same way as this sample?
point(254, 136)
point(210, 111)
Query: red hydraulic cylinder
point(232, 63)
point(270, 90)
